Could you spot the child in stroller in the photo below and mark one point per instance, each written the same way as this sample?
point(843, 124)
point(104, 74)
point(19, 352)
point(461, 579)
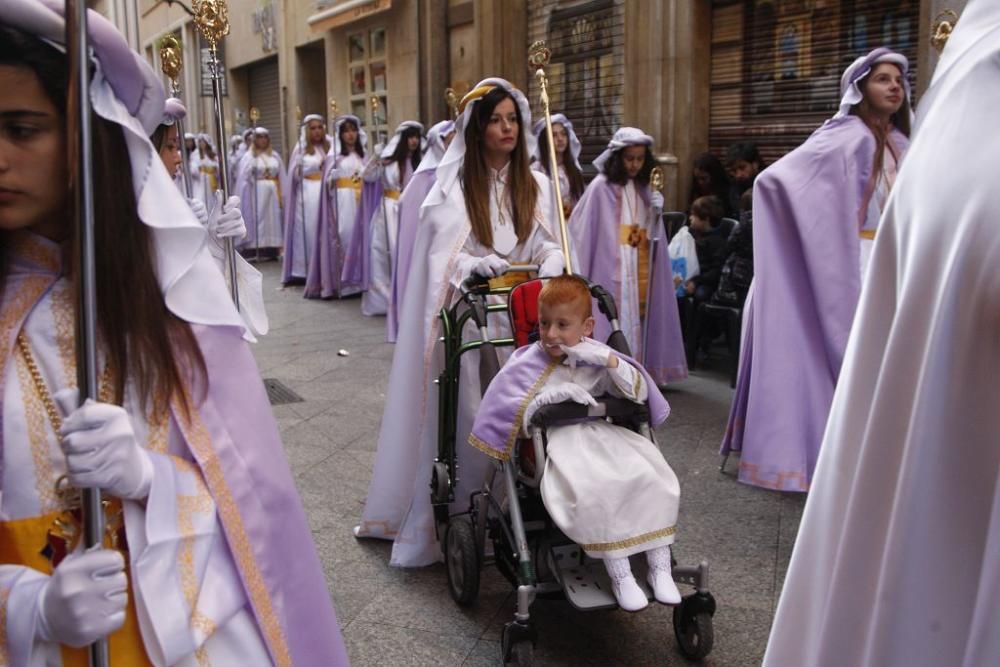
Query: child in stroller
point(606, 487)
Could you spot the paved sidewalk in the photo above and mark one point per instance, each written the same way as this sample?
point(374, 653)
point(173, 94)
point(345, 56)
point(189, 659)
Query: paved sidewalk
point(405, 617)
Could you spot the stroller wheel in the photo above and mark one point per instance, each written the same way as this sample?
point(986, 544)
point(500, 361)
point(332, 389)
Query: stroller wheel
point(517, 642)
point(440, 483)
point(694, 631)
point(461, 561)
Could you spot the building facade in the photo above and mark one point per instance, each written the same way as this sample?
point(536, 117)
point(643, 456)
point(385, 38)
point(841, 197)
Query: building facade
point(696, 74)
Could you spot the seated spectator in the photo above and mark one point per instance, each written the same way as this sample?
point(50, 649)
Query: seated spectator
point(710, 237)
point(709, 178)
point(743, 162)
point(737, 269)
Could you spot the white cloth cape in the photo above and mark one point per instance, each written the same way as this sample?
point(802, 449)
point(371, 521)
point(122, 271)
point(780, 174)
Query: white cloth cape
point(896, 561)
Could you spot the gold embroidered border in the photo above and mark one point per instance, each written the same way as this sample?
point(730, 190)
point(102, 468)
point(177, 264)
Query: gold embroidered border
point(199, 439)
point(518, 417)
point(65, 330)
point(632, 541)
point(782, 478)
point(4, 595)
point(35, 420)
point(16, 304)
point(187, 506)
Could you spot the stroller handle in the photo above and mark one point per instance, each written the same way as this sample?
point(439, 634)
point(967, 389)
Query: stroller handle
point(476, 282)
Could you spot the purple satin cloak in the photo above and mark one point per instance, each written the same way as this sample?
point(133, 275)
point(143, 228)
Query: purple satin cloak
point(246, 450)
point(593, 227)
point(806, 287)
point(497, 421)
point(357, 269)
point(323, 278)
point(409, 218)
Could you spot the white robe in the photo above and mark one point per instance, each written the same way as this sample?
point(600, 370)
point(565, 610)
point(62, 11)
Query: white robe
point(312, 190)
point(896, 562)
point(385, 230)
point(398, 504)
point(267, 206)
point(348, 200)
point(607, 488)
point(633, 213)
point(201, 181)
point(183, 577)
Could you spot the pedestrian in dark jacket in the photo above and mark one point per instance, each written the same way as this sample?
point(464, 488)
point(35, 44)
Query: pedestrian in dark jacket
point(710, 237)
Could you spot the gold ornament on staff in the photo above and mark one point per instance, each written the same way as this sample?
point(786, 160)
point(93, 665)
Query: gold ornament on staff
point(333, 111)
point(375, 107)
point(171, 63)
point(254, 116)
point(656, 179)
point(451, 99)
point(942, 27)
point(538, 57)
point(212, 20)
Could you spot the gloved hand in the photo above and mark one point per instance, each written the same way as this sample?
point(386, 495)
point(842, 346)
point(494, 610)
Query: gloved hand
point(656, 200)
point(558, 394)
point(490, 266)
point(587, 353)
point(84, 599)
point(552, 266)
point(200, 212)
point(226, 221)
point(101, 449)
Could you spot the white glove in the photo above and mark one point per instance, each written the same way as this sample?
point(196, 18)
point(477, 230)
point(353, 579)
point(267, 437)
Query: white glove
point(558, 394)
point(490, 266)
point(200, 212)
point(101, 449)
point(84, 599)
point(552, 266)
point(656, 200)
point(226, 221)
point(587, 353)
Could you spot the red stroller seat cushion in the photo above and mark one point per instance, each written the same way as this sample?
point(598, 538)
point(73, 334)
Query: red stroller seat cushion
point(522, 307)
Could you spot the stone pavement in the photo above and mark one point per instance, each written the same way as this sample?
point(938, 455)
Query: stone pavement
point(391, 616)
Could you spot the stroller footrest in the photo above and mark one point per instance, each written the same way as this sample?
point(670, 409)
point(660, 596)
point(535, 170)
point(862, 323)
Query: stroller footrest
point(585, 580)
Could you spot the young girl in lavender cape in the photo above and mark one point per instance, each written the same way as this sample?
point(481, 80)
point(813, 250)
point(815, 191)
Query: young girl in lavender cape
point(607, 488)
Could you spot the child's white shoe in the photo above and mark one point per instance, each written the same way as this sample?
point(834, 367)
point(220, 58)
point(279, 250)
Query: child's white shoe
point(630, 597)
point(664, 588)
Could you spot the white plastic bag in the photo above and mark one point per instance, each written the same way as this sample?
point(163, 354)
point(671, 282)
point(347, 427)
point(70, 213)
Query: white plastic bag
point(683, 257)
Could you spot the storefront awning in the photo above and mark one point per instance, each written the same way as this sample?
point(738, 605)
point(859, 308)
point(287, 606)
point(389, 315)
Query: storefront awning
point(346, 11)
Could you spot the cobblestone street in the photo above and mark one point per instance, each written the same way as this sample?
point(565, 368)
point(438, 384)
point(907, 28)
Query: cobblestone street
point(406, 617)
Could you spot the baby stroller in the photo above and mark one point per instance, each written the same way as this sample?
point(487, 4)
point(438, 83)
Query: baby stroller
point(529, 549)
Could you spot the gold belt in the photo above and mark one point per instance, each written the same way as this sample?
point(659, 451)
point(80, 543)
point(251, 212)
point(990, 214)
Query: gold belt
point(353, 183)
point(635, 236)
point(314, 176)
point(207, 170)
point(391, 194)
point(867, 234)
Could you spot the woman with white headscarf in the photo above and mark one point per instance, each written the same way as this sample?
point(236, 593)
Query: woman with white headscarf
point(262, 186)
point(486, 211)
point(622, 247)
point(204, 170)
point(339, 205)
point(180, 439)
point(438, 139)
point(568, 148)
point(816, 212)
point(896, 560)
point(373, 243)
point(302, 203)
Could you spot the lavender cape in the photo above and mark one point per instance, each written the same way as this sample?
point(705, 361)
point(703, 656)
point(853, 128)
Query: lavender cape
point(806, 286)
point(593, 227)
point(498, 420)
point(357, 270)
point(409, 217)
point(246, 189)
point(292, 197)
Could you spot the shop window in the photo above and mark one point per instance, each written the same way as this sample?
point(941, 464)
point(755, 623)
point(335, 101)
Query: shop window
point(368, 74)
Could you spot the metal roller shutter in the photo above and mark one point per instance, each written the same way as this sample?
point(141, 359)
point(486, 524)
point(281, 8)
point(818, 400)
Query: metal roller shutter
point(776, 64)
point(587, 71)
point(265, 94)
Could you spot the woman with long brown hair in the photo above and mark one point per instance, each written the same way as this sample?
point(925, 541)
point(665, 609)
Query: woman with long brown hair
point(816, 213)
point(487, 211)
point(567, 149)
point(180, 441)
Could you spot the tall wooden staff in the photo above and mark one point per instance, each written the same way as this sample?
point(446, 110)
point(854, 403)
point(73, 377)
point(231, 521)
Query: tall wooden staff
point(451, 99)
point(212, 19)
point(80, 154)
point(171, 63)
point(538, 58)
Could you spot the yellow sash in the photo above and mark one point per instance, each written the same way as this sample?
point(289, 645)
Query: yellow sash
point(314, 176)
point(22, 543)
point(391, 194)
point(212, 179)
point(354, 183)
point(635, 236)
point(867, 234)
